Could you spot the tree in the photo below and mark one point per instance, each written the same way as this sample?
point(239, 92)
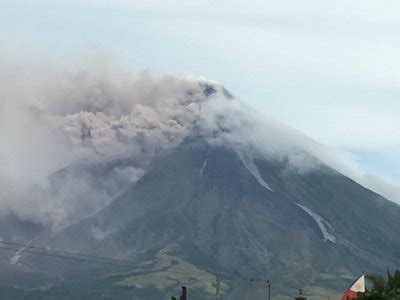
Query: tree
point(382, 289)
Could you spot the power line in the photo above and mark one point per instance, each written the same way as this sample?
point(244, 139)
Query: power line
point(81, 257)
point(66, 251)
point(64, 257)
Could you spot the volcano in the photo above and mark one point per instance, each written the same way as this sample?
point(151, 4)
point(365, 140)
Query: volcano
point(216, 209)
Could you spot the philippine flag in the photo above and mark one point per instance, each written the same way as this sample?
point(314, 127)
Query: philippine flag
point(357, 287)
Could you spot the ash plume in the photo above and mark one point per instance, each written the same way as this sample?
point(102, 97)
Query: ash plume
point(57, 122)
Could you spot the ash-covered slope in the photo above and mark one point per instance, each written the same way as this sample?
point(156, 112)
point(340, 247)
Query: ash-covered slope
point(258, 218)
point(190, 183)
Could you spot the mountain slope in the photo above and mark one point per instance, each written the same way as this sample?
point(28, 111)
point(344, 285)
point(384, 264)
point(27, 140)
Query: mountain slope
point(246, 218)
point(187, 185)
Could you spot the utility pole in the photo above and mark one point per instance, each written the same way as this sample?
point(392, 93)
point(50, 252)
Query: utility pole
point(183, 294)
point(217, 289)
point(300, 296)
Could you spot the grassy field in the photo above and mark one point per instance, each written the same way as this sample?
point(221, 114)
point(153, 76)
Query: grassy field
point(170, 272)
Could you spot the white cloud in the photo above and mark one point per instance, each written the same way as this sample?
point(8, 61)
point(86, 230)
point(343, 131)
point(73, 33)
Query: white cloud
point(242, 127)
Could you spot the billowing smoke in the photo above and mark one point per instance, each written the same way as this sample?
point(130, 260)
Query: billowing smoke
point(61, 126)
point(139, 119)
point(73, 138)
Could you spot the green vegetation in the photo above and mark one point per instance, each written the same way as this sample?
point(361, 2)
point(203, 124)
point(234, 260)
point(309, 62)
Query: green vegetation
point(172, 272)
point(382, 288)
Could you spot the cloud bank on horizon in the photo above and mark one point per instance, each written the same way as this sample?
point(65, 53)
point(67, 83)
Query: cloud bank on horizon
point(54, 117)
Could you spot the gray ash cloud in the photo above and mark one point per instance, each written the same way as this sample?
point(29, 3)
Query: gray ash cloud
point(61, 118)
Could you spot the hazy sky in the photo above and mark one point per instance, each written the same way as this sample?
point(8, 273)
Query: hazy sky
point(330, 69)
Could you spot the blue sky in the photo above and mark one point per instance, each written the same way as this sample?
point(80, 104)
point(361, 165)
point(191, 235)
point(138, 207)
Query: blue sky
point(329, 69)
